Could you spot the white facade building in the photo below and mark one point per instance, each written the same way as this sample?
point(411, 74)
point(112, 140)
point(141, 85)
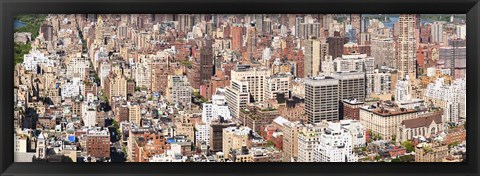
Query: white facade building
point(335, 145)
point(218, 107)
point(450, 97)
point(401, 91)
point(89, 114)
point(72, 89)
point(308, 139)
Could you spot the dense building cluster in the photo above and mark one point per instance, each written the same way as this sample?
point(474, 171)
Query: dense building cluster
point(242, 88)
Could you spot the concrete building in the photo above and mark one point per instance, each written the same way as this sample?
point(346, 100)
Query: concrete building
point(134, 114)
point(379, 82)
point(437, 31)
point(116, 86)
point(179, 91)
point(351, 85)
point(89, 112)
point(237, 96)
point(216, 134)
point(277, 85)
point(383, 50)
point(321, 99)
point(402, 91)
point(450, 97)
point(461, 31)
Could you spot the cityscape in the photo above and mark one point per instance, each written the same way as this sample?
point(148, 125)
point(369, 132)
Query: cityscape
point(240, 88)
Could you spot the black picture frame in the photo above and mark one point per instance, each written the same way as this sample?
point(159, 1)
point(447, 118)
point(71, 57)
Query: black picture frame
point(11, 8)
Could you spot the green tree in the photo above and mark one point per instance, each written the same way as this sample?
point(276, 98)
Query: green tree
point(32, 23)
point(408, 146)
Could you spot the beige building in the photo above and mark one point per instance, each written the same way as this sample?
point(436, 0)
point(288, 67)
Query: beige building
point(255, 78)
point(407, 44)
point(385, 119)
point(308, 139)
point(430, 152)
point(234, 138)
point(425, 125)
point(134, 114)
point(315, 50)
point(290, 141)
point(117, 86)
point(277, 84)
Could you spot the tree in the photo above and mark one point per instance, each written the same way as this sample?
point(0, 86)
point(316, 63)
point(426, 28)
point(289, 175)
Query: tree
point(408, 146)
point(270, 144)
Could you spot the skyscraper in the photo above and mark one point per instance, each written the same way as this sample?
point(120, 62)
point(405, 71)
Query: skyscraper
point(437, 32)
point(206, 61)
point(406, 57)
point(335, 45)
point(315, 52)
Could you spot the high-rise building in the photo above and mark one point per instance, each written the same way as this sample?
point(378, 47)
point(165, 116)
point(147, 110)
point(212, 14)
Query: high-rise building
point(290, 141)
point(355, 21)
point(98, 143)
point(379, 82)
point(307, 30)
point(453, 58)
point(335, 44)
point(216, 134)
point(255, 78)
point(237, 96)
point(251, 42)
point(308, 139)
point(134, 114)
point(315, 52)
point(47, 32)
point(276, 85)
point(407, 51)
point(335, 144)
point(351, 85)
point(461, 31)
point(216, 109)
point(237, 37)
point(159, 77)
point(402, 91)
point(383, 50)
point(437, 31)
point(235, 138)
point(206, 61)
point(179, 91)
point(116, 86)
point(321, 99)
